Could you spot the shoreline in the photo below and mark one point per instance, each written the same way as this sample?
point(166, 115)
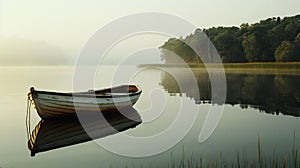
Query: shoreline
point(251, 66)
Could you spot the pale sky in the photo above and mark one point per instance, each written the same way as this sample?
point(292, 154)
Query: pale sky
point(61, 28)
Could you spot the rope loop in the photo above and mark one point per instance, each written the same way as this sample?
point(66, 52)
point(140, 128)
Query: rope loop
point(29, 102)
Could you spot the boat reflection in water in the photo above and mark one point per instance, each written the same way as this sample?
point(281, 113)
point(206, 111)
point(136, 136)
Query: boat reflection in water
point(57, 133)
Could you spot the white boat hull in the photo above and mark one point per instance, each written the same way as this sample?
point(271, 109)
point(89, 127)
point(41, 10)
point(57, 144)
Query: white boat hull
point(53, 104)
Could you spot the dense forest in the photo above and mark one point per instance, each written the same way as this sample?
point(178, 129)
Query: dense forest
point(270, 40)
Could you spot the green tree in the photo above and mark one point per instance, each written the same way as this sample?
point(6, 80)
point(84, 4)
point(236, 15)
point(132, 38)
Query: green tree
point(297, 47)
point(284, 52)
point(251, 48)
point(181, 49)
point(229, 46)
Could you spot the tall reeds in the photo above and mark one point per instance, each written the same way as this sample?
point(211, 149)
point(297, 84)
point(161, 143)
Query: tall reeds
point(263, 161)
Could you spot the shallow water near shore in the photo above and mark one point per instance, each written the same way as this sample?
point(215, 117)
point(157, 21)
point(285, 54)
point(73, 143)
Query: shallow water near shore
point(265, 105)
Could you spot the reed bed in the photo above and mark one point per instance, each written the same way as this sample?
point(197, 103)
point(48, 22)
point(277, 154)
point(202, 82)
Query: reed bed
point(241, 160)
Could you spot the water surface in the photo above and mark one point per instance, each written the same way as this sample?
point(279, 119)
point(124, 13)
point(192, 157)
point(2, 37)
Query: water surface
point(257, 104)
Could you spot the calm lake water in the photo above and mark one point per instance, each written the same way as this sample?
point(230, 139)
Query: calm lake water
point(258, 104)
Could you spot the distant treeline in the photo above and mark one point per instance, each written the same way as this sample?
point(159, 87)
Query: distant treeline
point(270, 40)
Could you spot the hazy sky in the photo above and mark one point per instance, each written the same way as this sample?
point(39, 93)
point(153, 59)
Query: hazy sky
point(66, 25)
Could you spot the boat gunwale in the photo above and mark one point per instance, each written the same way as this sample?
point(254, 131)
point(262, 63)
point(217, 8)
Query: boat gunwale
point(83, 94)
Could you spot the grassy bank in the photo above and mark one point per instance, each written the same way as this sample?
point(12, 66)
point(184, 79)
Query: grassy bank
point(263, 65)
point(255, 65)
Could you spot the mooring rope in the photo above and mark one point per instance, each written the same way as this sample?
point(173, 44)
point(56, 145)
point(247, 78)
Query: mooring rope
point(29, 101)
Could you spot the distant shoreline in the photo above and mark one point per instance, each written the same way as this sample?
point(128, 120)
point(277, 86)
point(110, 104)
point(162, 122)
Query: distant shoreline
point(254, 65)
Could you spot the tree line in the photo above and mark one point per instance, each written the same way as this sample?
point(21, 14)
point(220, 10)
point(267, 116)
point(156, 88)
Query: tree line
point(270, 40)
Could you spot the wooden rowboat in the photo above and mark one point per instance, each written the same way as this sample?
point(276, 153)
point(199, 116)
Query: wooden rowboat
point(54, 134)
point(56, 104)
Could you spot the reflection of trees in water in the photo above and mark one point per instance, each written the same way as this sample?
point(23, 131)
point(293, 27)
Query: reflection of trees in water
point(270, 93)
